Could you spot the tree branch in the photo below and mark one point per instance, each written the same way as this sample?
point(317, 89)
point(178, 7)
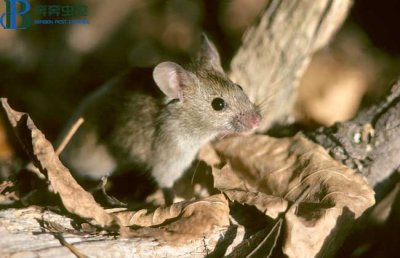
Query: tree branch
point(369, 143)
point(276, 51)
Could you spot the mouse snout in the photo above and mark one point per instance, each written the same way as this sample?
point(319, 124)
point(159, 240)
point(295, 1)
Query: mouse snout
point(251, 120)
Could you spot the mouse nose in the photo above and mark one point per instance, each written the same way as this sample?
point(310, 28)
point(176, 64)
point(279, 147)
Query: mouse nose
point(252, 120)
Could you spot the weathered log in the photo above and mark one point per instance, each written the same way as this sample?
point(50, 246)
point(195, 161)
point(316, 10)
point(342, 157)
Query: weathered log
point(277, 50)
point(22, 235)
point(370, 142)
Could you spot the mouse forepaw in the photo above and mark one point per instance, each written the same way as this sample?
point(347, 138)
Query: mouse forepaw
point(169, 195)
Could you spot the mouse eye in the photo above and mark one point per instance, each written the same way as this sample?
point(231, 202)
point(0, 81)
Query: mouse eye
point(240, 87)
point(218, 104)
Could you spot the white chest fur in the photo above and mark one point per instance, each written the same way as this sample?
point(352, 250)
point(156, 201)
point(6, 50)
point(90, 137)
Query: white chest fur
point(171, 161)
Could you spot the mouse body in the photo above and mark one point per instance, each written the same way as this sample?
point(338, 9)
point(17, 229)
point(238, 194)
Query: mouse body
point(158, 119)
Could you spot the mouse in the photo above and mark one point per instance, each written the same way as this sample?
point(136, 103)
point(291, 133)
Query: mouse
point(158, 119)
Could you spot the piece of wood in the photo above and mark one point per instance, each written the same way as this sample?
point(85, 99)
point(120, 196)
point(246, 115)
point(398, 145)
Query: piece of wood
point(22, 236)
point(370, 142)
point(276, 51)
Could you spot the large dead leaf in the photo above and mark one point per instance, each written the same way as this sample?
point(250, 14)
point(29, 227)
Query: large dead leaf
point(74, 198)
point(180, 222)
point(270, 173)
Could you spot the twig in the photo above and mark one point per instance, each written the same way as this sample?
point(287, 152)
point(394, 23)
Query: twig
point(301, 197)
point(56, 230)
point(69, 135)
point(72, 248)
point(110, 199)
point(273, 234)
point(32, 168)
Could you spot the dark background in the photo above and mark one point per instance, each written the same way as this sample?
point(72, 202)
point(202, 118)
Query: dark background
point(46, 70)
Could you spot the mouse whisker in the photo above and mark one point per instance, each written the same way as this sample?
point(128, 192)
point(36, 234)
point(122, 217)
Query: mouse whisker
point(266, 103)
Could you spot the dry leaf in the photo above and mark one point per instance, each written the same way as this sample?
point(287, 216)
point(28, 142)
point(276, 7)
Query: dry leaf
point(261, 244)
point(181, 222)
point(75, 199)
point(269, 173)
point(7, 197)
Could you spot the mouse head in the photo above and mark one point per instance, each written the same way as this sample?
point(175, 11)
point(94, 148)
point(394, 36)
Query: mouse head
point(204, 97)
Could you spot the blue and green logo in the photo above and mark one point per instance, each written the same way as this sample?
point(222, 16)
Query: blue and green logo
point(15, 9)
point(18, 14)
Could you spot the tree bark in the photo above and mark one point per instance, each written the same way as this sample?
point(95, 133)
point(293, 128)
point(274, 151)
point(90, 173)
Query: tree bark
point(369, 143)
point(276, 51)
point(21, 235)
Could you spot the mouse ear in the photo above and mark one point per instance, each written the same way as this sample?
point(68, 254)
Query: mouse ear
point(209, 55)
point(171, 78)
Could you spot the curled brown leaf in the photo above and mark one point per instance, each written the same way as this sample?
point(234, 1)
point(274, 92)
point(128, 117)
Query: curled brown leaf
point(74, 198)
point(180, 222)
point(269, 173)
